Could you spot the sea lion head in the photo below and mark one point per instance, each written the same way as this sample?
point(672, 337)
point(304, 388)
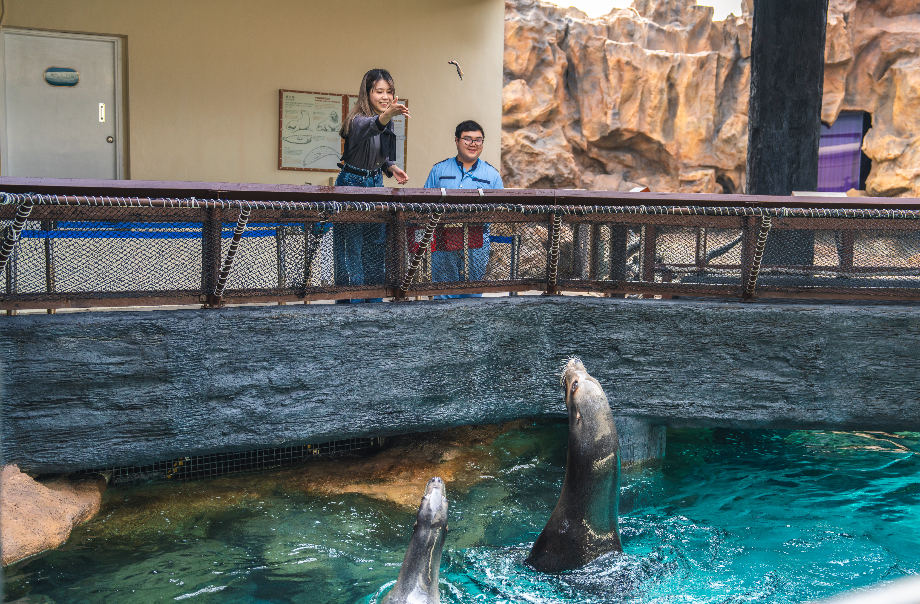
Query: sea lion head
point(418, 577)
point(582, 393)
point(433, 510)
point(590, 419)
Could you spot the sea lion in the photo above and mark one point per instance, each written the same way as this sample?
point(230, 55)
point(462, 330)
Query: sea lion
point(584, 524)
point(418, 577)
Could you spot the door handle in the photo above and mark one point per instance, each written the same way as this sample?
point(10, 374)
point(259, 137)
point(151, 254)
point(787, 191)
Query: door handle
point(109, 139)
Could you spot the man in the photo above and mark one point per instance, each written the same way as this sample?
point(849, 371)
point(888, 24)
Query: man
point(461, 252)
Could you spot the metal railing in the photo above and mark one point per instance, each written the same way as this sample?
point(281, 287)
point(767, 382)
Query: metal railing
point(64, 244)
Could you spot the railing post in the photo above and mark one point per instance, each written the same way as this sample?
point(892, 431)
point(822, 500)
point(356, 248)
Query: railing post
point(231, 252)
point(756, 256)
point(846, 244)
point(433, 220)
point(47, 226)
point(648, 254)
point(552, 254)
point(699, 255)
point(281, 256)
point(210, 256)
point(619, 235)
point(12, 285)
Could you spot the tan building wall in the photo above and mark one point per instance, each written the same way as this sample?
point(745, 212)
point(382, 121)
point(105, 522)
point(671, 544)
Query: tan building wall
point(202, 76)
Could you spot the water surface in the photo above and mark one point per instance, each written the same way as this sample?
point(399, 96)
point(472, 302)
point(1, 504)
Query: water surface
point(729, 516)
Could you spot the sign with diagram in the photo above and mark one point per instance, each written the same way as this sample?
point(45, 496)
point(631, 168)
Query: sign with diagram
point(308, 136)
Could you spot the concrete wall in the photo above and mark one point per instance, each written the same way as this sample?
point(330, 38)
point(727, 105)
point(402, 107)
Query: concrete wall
point(203, 77)
point(101, 389)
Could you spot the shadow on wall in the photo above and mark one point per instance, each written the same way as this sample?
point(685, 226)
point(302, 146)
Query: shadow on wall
point(657, 94)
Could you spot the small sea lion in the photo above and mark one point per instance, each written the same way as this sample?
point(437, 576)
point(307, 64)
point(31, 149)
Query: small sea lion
point(418, 577)
point(584, 524)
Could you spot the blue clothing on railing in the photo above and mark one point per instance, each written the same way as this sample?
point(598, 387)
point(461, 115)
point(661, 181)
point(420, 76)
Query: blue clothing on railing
point(449, 265)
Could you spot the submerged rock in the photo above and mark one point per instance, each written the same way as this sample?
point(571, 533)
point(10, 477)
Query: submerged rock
point(401, 471)
point(38, 516)
point(657, 94)
point(396, 474)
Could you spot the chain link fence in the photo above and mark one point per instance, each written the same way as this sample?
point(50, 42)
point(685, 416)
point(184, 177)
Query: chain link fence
point(71, 251)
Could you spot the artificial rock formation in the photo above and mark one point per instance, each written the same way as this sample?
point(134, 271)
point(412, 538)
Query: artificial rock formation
point(36, 517)
point(657, 94)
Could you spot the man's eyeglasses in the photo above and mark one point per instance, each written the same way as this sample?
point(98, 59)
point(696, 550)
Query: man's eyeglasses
point(473, 142)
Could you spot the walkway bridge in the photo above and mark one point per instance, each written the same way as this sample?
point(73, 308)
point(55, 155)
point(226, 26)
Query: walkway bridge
point(687, 316)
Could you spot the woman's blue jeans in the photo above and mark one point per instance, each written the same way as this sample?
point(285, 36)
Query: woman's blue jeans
point(359, 249)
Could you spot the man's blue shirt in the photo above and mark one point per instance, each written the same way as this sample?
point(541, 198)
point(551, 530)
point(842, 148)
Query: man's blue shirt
point(449, 174)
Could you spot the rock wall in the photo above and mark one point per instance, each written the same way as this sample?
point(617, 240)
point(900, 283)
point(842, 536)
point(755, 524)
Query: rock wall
point(142, 387)
point(657, 94)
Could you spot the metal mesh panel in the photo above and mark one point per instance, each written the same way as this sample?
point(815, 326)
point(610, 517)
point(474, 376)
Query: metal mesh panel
point(220, 464)
point(463, 252)
point(852, 257)
point(106, 257)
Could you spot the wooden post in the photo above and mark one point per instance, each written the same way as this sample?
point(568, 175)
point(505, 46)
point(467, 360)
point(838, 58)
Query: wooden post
point(210, 255)
point(50, 277)
point(846, 244)
point(784, 114)
point(618, 238)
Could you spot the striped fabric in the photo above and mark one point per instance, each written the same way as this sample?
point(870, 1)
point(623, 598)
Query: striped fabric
point(839, 153)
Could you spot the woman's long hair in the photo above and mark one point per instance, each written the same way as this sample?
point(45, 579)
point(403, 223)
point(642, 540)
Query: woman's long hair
point(363, 106)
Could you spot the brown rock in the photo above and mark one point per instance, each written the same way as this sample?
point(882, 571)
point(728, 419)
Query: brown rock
point(640, 95)
point(539, 157)
point(36, 517)
point(659, 91)
point(699, 181)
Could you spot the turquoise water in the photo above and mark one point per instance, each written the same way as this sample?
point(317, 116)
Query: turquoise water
point(728, 516)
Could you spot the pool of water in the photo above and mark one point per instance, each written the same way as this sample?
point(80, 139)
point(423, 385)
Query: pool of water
point(728, 516)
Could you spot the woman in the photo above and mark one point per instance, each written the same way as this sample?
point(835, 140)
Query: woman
point(370, 152)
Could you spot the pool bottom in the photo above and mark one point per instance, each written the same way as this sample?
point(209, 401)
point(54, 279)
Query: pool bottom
point(727, 516)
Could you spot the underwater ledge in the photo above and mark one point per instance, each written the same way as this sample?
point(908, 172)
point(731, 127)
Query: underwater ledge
point(110, 389)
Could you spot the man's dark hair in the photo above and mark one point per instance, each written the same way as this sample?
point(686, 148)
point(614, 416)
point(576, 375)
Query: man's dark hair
point(468, 126)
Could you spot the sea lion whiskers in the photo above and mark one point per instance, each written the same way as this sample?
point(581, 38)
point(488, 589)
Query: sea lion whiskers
point(565, 365)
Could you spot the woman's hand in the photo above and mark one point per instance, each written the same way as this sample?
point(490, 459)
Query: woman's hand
point(392, 111)
point(400, 176)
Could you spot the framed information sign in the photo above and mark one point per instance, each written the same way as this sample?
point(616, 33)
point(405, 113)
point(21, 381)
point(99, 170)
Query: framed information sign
point(308, 136)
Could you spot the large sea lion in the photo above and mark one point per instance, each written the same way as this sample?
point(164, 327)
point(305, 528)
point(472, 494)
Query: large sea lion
point(418, 577)
point(584, 524)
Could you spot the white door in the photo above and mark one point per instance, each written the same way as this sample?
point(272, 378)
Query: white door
point(62, 116)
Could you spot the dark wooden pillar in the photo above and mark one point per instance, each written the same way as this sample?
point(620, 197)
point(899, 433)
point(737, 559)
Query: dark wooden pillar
point(784, 127)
